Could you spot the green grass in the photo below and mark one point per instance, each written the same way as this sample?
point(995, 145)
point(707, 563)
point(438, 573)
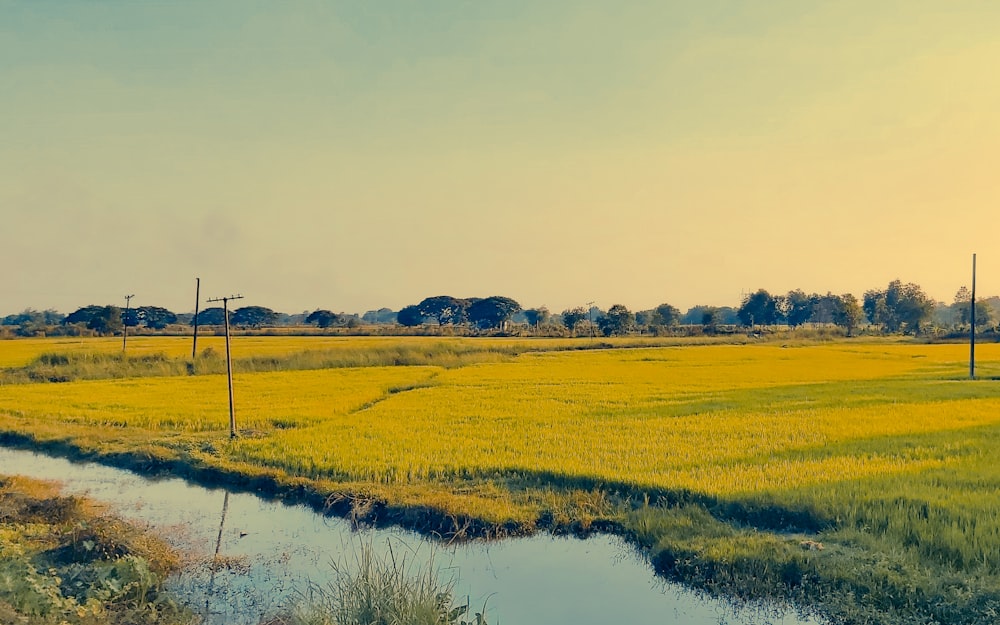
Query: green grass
point(384, 589)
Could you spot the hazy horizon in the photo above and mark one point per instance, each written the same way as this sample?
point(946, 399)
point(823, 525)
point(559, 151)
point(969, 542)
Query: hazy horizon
point(353, 156)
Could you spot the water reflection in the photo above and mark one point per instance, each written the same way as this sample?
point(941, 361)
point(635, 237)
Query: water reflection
point(258, 557)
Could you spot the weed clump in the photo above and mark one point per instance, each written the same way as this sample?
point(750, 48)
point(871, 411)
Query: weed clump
point(383, 589)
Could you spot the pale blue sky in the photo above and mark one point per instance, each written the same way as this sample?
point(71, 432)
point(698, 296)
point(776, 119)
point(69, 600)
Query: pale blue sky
point(354, 155)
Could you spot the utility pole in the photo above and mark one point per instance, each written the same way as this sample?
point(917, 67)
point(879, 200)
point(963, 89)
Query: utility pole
point(128, 298)
point(972, 330)
point(590, 315)
point(229, 360)
point(194, 343)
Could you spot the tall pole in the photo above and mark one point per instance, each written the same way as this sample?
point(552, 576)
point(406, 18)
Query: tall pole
point(229, 361)
point(128, 298)
point(972, 330)
point(590, 315)
point(197, 295)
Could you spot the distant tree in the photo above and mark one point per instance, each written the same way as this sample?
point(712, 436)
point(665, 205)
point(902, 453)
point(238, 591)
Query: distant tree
point(666, 315)
point(84, 315)
point(291, 319)
point(898, 308)
point(961, 309)
point(104, 320)
point(824, 307)
point(131, 317)
point(797, 307)
point(382, 315)
point(445, 309)
point(876, 311)
point(386, 315)
point(155, 317)
point(409, 316)
point(492, 312)
point(571, 318)
point(323, 318)
point(27, 316)
point(710, 318)
point(254, 317)
point(848, 313)
point(32, 317)
point(760, 308)
point(693, 315)
point(211, 317)
point(108, 321)
point(537, 316)
point(31, 322)
point(618, 320)
point(727, 315)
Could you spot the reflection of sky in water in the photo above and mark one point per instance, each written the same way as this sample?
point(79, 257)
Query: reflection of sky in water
point(276, 550)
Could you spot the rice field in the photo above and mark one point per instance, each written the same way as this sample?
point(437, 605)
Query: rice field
point(718, 459)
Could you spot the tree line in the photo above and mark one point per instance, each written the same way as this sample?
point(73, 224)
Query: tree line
point(898, 308)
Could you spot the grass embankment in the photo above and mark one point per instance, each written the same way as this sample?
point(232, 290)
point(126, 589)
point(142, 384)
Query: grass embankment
point(723, 461)
point(64, 562)
point(67, 360)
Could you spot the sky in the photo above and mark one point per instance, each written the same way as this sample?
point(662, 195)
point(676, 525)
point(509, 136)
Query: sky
point(359, 155)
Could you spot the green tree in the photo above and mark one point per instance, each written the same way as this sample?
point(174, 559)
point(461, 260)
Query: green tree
point(492, 312)
point(211, 317)
point(899, 308)
point(798, 307)
point(105, 320)
point(848, 313)
point(83, 315)
point(323, 318)
point(131, 317)
point(962, 308)
point(666, 315)
point(760, 308)
point(617, 321)
point(31, 322)
point(156, 317)
point(108, 321)
point(447, 310)
point(537, 316)
point(409, 316)
point(382, 315)
point(254, 317)
point(572, 317)
point(710, 318)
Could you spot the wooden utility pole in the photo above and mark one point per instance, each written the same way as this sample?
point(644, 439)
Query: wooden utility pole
point(972, 330)
point(197, 295)
point(128, 298)
point(229, 361)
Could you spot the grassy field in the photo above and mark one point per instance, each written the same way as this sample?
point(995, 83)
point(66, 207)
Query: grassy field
point(730, 464)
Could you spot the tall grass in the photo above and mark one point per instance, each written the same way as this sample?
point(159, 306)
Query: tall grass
point(38, 360)
point(385, 589)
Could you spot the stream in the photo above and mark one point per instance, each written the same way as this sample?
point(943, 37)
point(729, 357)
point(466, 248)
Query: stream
point(275, 553)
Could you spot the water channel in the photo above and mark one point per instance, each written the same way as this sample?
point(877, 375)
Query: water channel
point(275, 552)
